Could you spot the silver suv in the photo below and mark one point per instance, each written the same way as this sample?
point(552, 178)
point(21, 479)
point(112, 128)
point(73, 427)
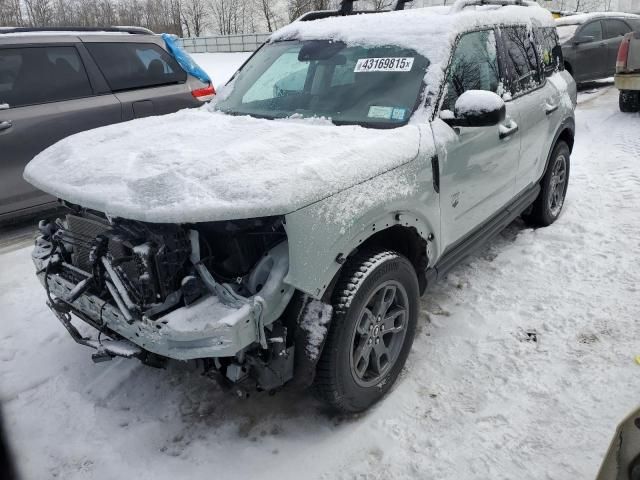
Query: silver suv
point(54, 83)
point(286, 234)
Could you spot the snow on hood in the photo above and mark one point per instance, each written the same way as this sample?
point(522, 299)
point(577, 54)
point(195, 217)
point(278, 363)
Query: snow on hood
point(198, 165)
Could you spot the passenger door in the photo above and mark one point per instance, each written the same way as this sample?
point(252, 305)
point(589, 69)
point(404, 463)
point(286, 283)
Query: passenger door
point(46, 95)
point(533, 98)
point(144, 77)
point(477, 165)
point(590, 52)
point(614, 29)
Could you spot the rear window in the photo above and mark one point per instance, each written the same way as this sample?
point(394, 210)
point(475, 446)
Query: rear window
point(34, 75)
point(128, 66)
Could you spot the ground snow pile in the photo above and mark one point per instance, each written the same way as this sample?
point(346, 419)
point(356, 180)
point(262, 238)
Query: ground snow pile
point(198, 165)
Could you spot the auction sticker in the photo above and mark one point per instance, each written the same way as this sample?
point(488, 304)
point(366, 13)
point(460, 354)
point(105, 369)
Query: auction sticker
point(380, 112)
point(386, 64)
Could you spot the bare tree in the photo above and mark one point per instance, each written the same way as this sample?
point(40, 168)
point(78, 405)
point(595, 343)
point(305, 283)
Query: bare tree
point(195, 17)
point(39, 12)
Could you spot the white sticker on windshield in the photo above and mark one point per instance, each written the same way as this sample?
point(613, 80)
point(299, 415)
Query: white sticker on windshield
point(380, 112)
point(387, 64)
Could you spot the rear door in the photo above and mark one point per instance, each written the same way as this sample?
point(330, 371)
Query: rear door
point(614, 29)
point(47, 94)
point(590, 52)
point(143, 76)
point(532, 98)
point(477, 164)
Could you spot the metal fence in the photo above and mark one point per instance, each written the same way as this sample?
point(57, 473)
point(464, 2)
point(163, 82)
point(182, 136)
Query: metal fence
point(224, 43)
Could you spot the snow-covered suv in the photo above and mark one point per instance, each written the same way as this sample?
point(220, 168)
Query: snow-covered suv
point(285, 233)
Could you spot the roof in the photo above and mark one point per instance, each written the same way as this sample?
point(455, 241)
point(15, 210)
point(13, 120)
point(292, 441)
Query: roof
point(410, 28)
point(72, 31)
point(581, 18)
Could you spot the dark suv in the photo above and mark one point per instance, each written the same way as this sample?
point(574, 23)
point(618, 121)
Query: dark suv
point(590, 42)
point(57, 83)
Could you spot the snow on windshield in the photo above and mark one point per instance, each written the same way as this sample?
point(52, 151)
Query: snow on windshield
point(565, 32)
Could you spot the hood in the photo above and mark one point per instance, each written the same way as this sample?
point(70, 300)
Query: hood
point(198, 165)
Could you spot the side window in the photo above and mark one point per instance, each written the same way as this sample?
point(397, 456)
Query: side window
point(616, 28)
point(474, 66)
point(33, 75)
point(523, 62)
point(128, 66)
point(591, 30)
point(549, 50)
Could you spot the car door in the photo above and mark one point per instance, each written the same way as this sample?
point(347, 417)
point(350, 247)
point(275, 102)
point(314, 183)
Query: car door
point(614, 30)
point(46, 95)
point(477, 165)
point(590, 51)
point(144, 77)
point(531, 97)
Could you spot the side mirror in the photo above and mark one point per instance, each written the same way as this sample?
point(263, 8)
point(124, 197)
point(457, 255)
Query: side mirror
point(584, 39)
point(477, 108)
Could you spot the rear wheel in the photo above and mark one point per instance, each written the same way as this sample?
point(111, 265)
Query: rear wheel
point(547, 207)
point(375, 314)
point(629, 101)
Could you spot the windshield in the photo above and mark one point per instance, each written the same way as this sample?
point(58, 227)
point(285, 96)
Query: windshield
point(375, 86)
point(565, 32)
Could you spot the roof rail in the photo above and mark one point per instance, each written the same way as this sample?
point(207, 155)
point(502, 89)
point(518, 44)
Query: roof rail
point(133, 30)
point(346, 8)
point(462, 4)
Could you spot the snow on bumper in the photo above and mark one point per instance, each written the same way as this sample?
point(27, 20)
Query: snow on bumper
point(207, 328)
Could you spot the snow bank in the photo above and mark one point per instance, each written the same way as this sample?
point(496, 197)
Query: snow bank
point(197, 165)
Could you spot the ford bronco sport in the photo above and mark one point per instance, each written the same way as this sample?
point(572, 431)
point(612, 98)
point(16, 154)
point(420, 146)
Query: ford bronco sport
point(285, 233)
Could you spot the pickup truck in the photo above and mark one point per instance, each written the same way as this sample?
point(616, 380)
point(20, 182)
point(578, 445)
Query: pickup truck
point(627, 76)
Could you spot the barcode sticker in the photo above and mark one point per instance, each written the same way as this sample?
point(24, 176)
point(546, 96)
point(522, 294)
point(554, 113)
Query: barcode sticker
point(387, 64)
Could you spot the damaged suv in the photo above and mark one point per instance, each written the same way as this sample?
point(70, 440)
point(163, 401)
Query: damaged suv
point(285, 233)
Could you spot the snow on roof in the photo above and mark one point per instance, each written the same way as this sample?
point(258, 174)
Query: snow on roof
point(428, 31)
point(581, 18)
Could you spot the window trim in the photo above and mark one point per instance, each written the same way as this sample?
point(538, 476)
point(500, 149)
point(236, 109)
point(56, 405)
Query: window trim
point(74, 45)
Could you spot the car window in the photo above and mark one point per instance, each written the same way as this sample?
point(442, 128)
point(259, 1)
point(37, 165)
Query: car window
point(474, 66)
point(593, 29)
point(565, 32)
point(376, 87)
point(33, 75)
point(549, 50)
point(128, 66)
point(616, 28)
point(522, 60)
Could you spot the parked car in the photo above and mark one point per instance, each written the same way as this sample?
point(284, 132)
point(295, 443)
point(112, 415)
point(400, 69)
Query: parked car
point(590, 42)
point(627, 76)
point(286, 235)
point(54, 83)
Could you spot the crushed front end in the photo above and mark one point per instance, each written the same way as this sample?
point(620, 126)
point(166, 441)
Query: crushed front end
point(212, 291)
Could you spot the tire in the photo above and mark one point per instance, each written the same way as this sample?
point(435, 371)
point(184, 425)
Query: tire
point(548, 205)
point(354, 372)
point(629, 101)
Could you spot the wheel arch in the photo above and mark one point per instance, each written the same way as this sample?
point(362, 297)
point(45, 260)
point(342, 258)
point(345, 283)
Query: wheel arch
point(565, 133)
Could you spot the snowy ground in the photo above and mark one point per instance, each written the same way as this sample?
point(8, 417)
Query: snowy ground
point(479, 399)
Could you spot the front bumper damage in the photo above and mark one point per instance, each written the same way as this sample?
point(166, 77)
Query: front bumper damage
point(221, 324)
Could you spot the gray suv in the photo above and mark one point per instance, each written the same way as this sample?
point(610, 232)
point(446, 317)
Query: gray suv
point(57, 83)
point(285, 234)
point(590, 42)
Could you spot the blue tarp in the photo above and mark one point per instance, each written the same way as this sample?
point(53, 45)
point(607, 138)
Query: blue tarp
point(187, 63)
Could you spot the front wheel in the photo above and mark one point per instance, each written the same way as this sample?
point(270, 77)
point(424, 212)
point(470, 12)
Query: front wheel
point(376, 304)
point(547, 207)
point(629, 101)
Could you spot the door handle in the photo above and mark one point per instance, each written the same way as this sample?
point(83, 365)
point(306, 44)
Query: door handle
point(5, 125)
point(507, 130)
point(549, 108)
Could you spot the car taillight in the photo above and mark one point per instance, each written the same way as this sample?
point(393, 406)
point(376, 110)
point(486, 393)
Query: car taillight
point(204, 94)
point(623, 53)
